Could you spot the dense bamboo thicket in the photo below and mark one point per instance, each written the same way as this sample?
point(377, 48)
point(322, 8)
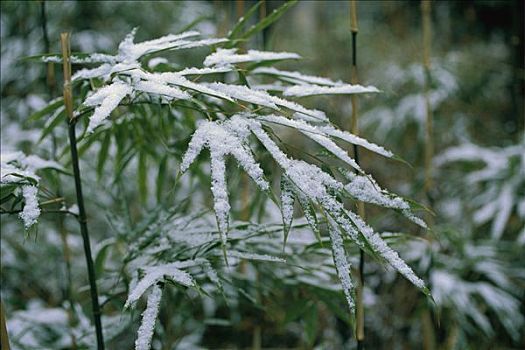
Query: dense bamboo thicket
point(262, 175)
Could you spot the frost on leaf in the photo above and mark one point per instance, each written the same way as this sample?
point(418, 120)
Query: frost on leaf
point(388, 254)
point(341, 264)
point(149, 317)
point(366, 189)
point(105, 101)
point(255, 256)
point(287, 204)
point(320, 187)
point(222, 139)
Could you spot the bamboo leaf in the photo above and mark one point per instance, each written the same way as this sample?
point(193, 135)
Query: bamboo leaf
point(268, 20)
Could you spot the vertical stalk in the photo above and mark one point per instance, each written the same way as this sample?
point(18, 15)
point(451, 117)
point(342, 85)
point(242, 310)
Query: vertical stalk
point(68, 101)
point(239, 7)
point(51, 82)
point(4, 337)
point(265, 31)
point(429, 146)
point(50, 77)
point(360, 310)
point(429, 337)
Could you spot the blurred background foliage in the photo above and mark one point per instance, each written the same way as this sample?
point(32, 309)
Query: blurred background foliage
point(477, 94)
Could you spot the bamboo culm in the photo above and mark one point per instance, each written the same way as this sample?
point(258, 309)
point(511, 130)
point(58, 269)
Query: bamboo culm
point(82, 218)
point(360, 312)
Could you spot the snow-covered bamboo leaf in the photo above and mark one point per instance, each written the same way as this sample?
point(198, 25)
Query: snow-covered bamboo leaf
point(287, 206)
point(221, 140)
point(366, 189)
point(227, 57)
point(244, 93)
point(341, 264)
point(105, 100)
point(255, 256)
point(311, 90)
point(155, 274)
point(149, 318)
point(388, 254)
point(326, 130)
point(295, 77)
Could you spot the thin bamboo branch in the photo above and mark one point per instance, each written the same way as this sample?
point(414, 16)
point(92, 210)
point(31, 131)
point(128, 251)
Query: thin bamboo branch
point(360, 311)
point(68, 101)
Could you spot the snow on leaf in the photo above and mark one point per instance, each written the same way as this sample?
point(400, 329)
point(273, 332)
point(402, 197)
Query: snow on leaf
point(226, 57)
point(262, 98)
point(162, 89)
point(155, 61)
point(287, 206)
point(153, 275)
point(366, 189)
point(356, 140)
point(387, 253)
point(315, 134)
point(341, 264)
point(505, 203)
point(310, 90)
point(221, 139)
point(31, 211)
point(295, 77)
point(326, 130)
point(244, 93)
point(129, 51)
point(149, 317)
point(202, 71)
point(102, 71)
point(105, 101)
point(179, 80)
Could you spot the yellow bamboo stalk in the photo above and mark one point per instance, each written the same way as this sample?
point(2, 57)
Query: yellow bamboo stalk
point(3, 329)
point(354, 128)
point(66, 56)
point(429, 146)
point(239, 5)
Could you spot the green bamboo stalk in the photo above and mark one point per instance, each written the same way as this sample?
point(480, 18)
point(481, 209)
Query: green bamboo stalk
point(354, 127)
point(82, 220)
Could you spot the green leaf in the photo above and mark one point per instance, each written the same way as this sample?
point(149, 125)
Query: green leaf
point(101, 256)
point(103, 154)
point(161, 176)
point(46, 110)
point(142, 176)
point(242, 21)
point(52, 123)
point(310, 324)
point(268, 20)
